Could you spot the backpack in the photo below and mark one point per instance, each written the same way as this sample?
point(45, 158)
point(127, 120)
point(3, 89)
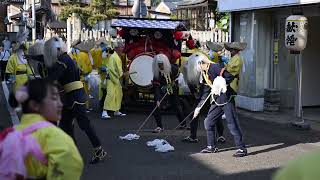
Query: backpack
point(15, 146)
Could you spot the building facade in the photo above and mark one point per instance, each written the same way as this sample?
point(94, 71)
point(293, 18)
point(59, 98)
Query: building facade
point(198, 13)
point(268, 63)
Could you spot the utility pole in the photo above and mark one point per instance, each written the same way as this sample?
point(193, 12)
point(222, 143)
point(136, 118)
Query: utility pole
point(33, 21)
point(25, 8)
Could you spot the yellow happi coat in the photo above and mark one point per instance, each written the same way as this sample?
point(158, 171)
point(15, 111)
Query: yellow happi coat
point(96, 54)
point(98, 62)
point(114, 88)
point(234, 67)
point(64, 160)
point(20, 71)
point(85, 66)
point(305, 167)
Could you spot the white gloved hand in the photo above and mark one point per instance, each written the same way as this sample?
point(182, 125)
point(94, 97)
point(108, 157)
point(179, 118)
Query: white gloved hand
point(219, 86)
point(104, 54)
point(180, 80)
point(196, 112)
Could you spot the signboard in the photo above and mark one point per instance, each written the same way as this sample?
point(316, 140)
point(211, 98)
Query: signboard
point(296, 32)
point(25, 15)
point(241, 5)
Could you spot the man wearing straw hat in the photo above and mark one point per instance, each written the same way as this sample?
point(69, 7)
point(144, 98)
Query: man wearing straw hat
point(234, 66)
point(217, 80)
point(99, 55)
point(112, 66)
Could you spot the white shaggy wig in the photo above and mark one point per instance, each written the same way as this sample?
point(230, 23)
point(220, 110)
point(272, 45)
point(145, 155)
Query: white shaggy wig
point(161, 58)
point(193, 71)
point(53, 48)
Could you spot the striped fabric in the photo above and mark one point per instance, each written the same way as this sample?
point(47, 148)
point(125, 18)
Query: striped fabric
point(146, 23)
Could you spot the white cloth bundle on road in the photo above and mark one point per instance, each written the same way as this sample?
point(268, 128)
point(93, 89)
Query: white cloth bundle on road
point(219, 86)
point(160, 145)
point(130, 137)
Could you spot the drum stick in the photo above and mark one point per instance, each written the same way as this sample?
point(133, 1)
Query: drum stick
point(144, 122)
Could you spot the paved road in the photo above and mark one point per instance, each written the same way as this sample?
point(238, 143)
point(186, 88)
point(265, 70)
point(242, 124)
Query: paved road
point(270, 146)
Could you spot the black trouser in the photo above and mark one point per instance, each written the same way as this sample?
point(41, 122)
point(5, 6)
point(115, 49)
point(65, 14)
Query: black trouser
point(195, 122)
point(101, 102)
point(3, 66)
point(79, 112)
point(176, 105)
point(214, 114)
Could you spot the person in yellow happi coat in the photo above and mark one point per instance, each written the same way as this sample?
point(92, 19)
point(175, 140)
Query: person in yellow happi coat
point(85, 66)
point(96, 54)
point(234, 65)
point(305, 167)
point(41, 104)
point(114, 89)
point(99, 56)
point(18, 69)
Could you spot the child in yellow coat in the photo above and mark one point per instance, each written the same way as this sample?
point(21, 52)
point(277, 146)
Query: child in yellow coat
point(41, 103)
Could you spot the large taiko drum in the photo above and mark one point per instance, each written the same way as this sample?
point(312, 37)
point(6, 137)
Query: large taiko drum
point(140, 69)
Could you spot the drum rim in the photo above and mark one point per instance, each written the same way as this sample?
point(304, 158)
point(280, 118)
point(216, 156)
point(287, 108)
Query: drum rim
point(151, 54)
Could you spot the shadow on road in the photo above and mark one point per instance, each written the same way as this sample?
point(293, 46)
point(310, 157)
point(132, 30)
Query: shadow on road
point(134, 160)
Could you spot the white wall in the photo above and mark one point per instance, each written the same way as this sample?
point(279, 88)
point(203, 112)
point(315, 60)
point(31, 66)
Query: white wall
point(311, 65)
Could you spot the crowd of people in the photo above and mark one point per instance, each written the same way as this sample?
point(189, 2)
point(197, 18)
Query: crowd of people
point(211, 77)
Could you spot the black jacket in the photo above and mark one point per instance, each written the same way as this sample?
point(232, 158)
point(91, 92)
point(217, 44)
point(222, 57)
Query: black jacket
point(213, 72)
point(160, 83)
point(65, 71)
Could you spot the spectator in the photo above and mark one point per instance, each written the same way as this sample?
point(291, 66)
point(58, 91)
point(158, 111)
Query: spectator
point(4, 57)
point(6, 43)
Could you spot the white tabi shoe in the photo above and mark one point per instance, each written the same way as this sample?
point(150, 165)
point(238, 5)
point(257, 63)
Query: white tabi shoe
point(118, 113)
point(105, 115)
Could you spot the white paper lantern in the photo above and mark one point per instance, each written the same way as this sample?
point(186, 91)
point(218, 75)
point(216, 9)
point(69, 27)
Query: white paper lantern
point(296, 32)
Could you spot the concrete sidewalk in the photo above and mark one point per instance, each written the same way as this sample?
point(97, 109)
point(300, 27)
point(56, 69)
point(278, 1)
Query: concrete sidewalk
point(284, 117)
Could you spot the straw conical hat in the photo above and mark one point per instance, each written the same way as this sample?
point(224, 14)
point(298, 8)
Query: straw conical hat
point(214, 46)
point(102, 40)
point(235, 45)
point(75, 42)
point(85, 46)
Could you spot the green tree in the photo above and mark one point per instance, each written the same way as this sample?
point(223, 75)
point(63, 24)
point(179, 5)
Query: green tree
point(90, 15)
point(222, 20)
point(155, 2)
